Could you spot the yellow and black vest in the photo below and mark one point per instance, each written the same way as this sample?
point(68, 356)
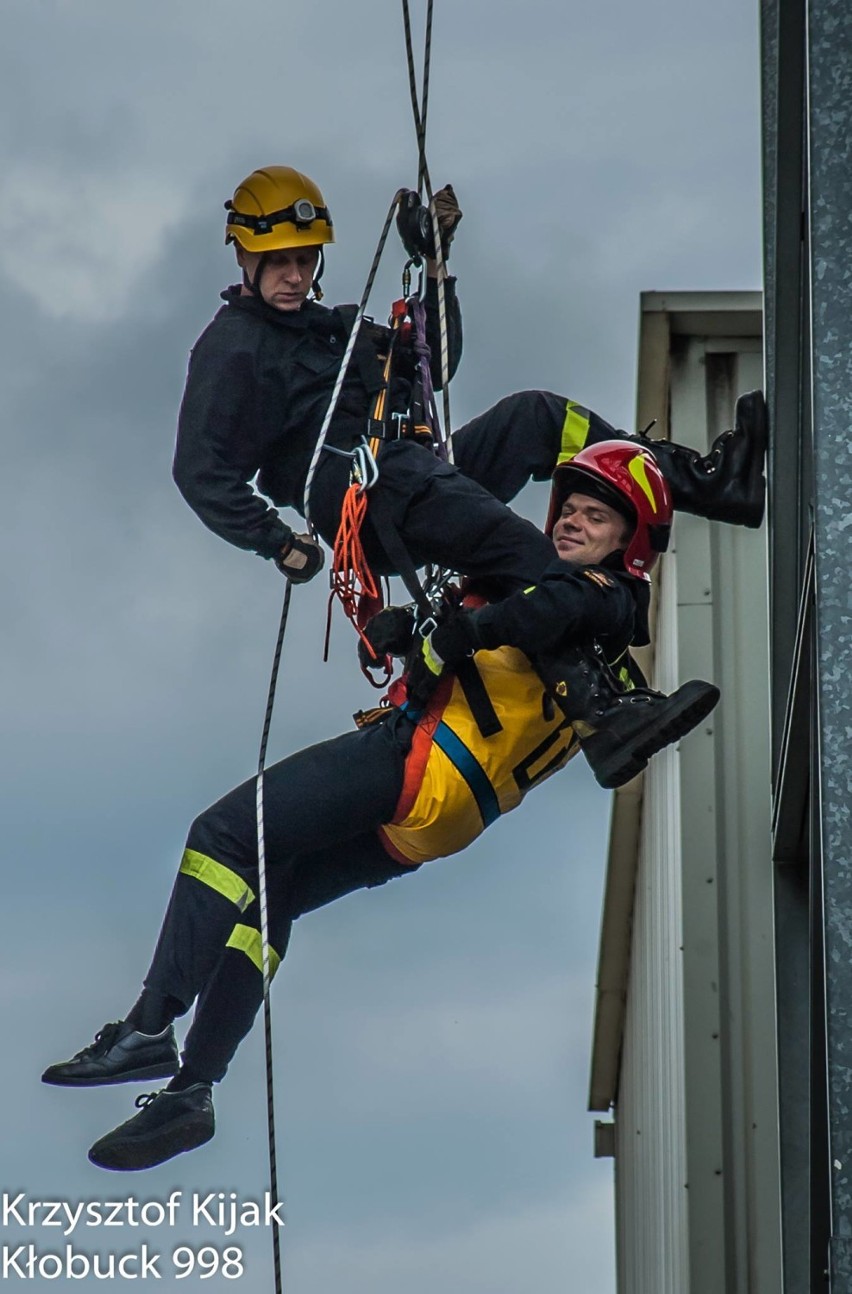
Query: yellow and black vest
point(456, 781)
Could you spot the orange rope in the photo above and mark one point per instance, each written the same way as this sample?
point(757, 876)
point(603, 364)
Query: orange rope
point(352, 580)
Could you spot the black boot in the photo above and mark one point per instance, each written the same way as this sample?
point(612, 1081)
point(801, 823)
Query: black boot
point(728, 484)
point(119, 1054)
point(168, 1123)
point(619, 731)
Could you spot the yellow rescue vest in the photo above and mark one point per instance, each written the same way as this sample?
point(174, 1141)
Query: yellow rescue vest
point(458, 782)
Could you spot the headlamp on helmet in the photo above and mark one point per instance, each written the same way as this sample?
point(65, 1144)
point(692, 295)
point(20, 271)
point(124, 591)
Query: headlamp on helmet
point(277, 207)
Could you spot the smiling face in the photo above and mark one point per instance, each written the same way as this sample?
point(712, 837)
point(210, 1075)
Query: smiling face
point(587, 530)
point(286, 277)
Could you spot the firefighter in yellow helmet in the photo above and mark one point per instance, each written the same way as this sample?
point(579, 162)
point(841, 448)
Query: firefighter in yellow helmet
point(278, 218)
point(260, 380)
point(376, 803)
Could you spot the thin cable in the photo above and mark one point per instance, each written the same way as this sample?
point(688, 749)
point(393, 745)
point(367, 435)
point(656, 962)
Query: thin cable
point(419, 115)
point(344, 364)
point(424, 98)
point(264, 937)
point(419, 110)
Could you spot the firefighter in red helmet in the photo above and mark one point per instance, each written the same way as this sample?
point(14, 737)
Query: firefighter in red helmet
point(418, 784)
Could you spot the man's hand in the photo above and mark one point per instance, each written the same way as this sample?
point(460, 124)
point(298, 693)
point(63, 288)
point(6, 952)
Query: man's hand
point(300, 559)
point(454, 639)
point(389, 633)
point(449, 214)
point(444, 648)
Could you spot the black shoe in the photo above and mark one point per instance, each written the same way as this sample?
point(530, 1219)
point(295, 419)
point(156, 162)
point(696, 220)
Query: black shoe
point(728, 483)
point(622, 737)
point(119, 1054)
point(168, 1123)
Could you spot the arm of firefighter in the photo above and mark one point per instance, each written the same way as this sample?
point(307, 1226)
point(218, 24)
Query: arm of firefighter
point(570, 604)
point(433, 328)
point(215, 457)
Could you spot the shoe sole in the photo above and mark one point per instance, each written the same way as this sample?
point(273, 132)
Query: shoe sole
point(105, 1080)
point(751, 414)
point(697, 702)
point(134, 1153)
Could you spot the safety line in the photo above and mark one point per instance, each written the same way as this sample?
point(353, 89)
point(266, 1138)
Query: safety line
point(264, 936)
point(424, 181)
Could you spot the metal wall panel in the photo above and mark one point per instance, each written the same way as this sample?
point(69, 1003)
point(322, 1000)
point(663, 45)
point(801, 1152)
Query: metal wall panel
point(697, 1179)
point(650, 1127)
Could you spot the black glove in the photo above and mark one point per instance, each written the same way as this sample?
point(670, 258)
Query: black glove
point(300, 559)
point(443, 649)
point(389, 633)
point(456, 638)
point(449, 214)
point(414, 222)
point(423, 675)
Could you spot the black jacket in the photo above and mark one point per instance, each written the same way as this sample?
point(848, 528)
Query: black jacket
point(571, 606)
point(258, 387)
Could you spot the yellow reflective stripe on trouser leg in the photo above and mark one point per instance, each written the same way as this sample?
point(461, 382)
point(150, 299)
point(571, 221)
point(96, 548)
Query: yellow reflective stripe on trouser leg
point(218, 877)
point(575, 432)
point(247, 940)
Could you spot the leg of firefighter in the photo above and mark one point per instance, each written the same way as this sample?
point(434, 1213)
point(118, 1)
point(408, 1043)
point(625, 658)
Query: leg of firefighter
point(230, 1002)
point(323, 794)
point(326, 795)
point(524, 436)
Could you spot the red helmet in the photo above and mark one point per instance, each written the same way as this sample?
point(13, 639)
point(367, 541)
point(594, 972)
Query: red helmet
point(627, 478)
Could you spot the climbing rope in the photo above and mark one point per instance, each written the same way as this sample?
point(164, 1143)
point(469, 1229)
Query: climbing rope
point(264, 935)
point(351, 554)
point(419, 113)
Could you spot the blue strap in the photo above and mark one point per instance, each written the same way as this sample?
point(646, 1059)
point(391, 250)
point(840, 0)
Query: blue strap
point(466, 764)
point(471, 770)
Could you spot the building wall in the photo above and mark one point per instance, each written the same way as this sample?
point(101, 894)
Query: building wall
point(696, 1145)
point(650, 1155)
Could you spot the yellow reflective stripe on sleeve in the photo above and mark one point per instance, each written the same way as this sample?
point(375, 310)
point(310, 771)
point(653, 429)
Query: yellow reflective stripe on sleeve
point(247, 940)
point(218, 877)
point(432, 661)
point(575, 432)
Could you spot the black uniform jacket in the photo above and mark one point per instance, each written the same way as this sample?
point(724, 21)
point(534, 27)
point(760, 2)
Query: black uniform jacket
point(259, 384)
point(571, 606)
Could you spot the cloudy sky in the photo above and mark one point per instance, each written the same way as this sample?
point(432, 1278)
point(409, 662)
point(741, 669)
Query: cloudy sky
point(432, 1038)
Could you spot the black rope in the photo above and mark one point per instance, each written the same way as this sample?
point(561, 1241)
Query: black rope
point(424, 99)
point(264, 937)
point(424, 180)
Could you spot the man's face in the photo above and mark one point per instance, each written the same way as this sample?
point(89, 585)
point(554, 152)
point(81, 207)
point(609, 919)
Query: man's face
point(287, 274)
point(587, 530)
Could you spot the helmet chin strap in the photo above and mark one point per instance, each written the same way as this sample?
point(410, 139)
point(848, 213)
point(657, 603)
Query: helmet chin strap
point(315, 286)
point(253, 284)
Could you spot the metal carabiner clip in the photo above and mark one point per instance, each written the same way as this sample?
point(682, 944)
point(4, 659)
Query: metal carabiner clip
point(365, 469)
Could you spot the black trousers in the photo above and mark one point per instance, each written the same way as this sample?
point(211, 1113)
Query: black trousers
point(321, 810)
point(456, 516)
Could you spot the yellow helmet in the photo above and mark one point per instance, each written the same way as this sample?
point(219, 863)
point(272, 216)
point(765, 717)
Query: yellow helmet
point(277, 207)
